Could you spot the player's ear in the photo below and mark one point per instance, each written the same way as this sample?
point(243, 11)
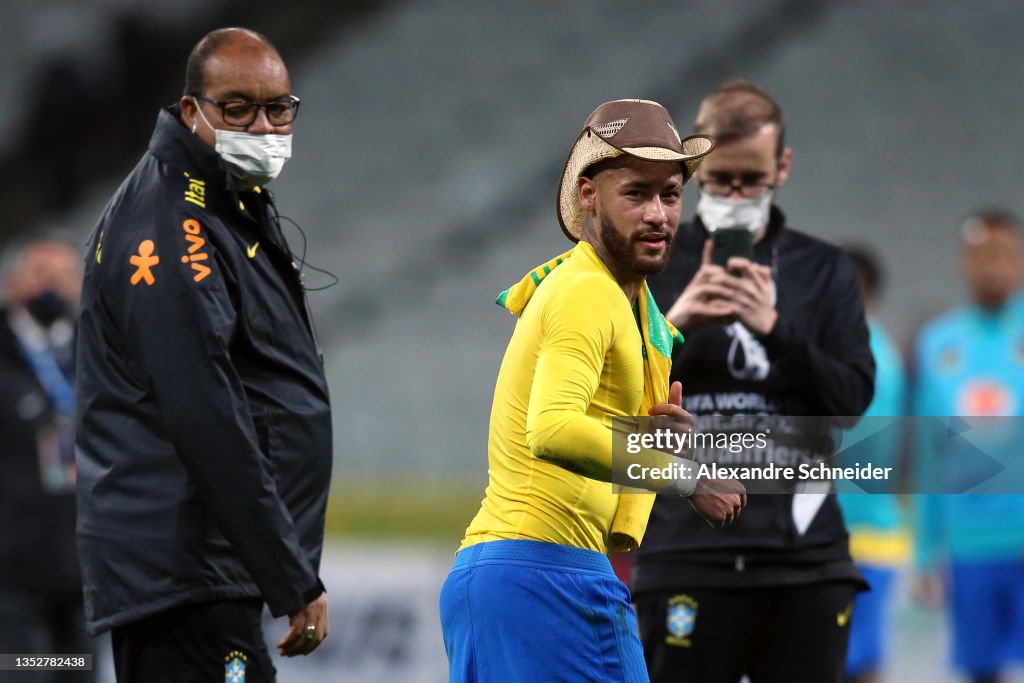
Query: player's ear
point(587, 189)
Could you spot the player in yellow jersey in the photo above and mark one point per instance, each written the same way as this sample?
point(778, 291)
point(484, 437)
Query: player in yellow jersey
point(532, 596)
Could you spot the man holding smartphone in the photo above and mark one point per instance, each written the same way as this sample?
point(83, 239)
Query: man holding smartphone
point(779, 331)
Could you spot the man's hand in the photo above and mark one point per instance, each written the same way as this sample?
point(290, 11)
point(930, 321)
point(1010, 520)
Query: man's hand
point(751, 287)
point(718, 501)
point(716, 295)
point(307, 629)
point(706, 300)
point(672, 416)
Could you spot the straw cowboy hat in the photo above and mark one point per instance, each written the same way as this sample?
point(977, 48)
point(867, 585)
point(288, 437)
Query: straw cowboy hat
point(637, 128)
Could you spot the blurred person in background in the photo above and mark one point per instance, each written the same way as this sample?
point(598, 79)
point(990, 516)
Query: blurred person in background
point(204, 430)
point(532, 596)
point(781, 335)
point(970, 362)
point(879, 541)
point(40, 585)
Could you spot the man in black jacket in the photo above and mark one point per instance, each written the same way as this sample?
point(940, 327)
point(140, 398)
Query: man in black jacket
point(780, 335)
point(40, 585)
point(204, 434)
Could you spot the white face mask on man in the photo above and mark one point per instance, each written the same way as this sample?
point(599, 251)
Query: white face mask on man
point(253, 159)
point(718, 212)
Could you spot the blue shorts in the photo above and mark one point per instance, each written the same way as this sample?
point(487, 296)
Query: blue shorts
point(869, 626)
point(526, 611)
point(988, 614)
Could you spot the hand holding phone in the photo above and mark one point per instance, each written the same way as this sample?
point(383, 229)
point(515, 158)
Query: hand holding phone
point(750, 288)
point(729, 242)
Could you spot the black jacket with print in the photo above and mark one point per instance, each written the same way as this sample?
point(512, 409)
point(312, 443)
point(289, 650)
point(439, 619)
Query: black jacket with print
point(203, 426)
point(815, 362)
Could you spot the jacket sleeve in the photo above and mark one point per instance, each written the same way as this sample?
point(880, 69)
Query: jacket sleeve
point(836, 374)
point(178, 326)
point(577, 331)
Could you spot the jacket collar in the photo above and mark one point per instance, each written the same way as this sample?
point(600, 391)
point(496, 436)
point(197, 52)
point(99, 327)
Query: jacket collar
point(173, 144)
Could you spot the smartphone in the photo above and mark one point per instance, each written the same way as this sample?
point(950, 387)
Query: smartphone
point(729, 242)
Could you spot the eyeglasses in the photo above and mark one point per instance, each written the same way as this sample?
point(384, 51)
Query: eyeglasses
point(749, 185)
point(243, 113)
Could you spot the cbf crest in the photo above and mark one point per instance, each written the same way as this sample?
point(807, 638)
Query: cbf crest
point(680, 620)
point(234, 667)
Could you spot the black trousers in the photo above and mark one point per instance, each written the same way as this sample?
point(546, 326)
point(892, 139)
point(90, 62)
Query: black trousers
point(211, 641)
point(37, 625)
point(778, 634)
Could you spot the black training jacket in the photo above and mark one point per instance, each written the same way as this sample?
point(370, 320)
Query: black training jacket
point(37, 526)
point(815, 362)
point(203, 433)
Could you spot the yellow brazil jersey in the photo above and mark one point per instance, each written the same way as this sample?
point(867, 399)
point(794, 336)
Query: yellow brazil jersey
point(575, 360)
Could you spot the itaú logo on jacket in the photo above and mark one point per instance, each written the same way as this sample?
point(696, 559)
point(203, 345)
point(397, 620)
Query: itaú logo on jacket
point(747, 359)
point(195, 254)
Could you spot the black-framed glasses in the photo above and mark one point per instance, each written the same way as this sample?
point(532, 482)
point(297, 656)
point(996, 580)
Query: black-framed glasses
point(243, 113)
point(749, 185)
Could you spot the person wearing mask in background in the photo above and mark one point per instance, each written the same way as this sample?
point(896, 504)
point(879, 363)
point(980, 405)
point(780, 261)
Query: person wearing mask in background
point(40, 585)
point(780, 335)
point(879, 542)
point(970, 363)
point(204, 428)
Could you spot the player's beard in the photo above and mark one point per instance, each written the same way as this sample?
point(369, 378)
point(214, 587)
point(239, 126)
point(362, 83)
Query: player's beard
point(623, 249)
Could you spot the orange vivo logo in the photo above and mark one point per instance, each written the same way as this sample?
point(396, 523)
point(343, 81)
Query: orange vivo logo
point(195, 254)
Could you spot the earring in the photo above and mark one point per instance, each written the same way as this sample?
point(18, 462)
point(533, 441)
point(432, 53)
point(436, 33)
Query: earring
point(193, 126)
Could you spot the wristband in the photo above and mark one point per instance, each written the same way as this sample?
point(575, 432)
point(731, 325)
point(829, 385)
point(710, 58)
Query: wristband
point(686, 482)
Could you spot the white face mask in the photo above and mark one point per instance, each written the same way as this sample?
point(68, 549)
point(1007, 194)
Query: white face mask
point(254, 159)
point(724, 212)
